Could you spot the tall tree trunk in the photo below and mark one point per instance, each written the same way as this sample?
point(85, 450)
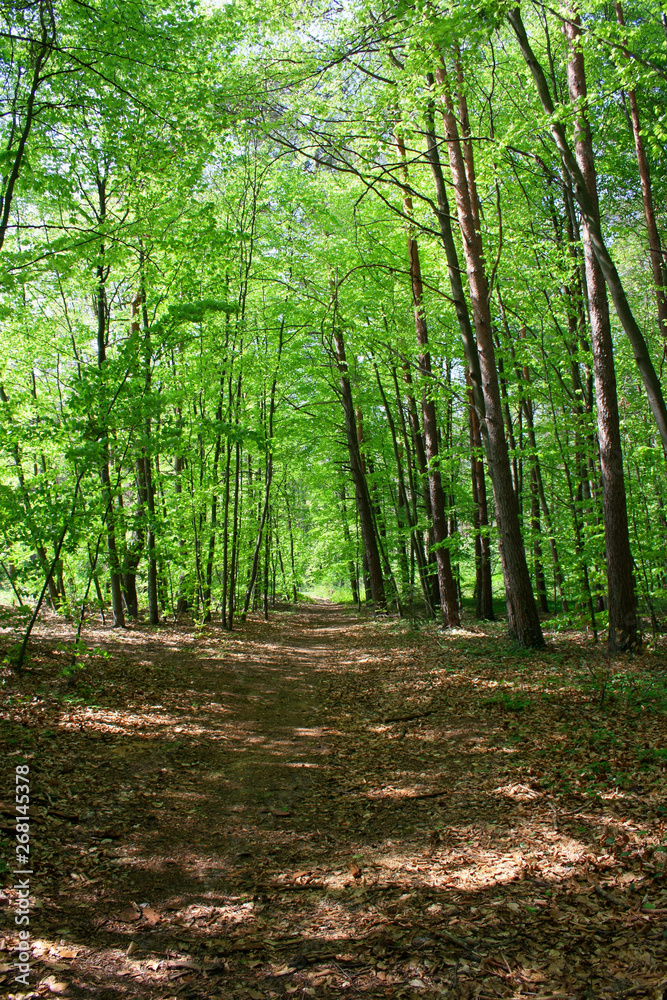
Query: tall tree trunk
point(210, 556)
point(225, 533)
point(524, 623)
point(254, 566)
point(448, 596)
point(483, 581)
point(105, 474)
point(623, 625)
point(295, 589)
point(136, 546)
point(225, 525)
point(419, 552)
point(538, 568)
point(234, 547)
point(153, 609)
point(268, 478)
point(478, 430)
point(403, 512)
point(539, 499)
point(575, 497)
point(432, 594)
point(214, 506)
point(537, 493)
point(282, 572)
point(361, 491)
point(235, 536)
point(351, 565)
point(368, 470)
point(267, 566)
point(591, 216)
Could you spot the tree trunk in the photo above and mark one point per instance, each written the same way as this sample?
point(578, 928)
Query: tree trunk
point(268, 478)
point(295, 589)
point(282, 571)
point(267, 552)
point(235, 536)
point(361, 492)
point(105, 475)
point(538, 492)
point(368, 470)
point(432, 593)
point(524, 623)
point(477, 417)
point(254, 566)
point(403, 512)
point(590, 214)
point(153, 610)
point(483, 582)
point(136, 546)
point(623, 625)
point(447, 588)
point(352, 569)
point(427, 576)
point(225, 533)
point(214, 507)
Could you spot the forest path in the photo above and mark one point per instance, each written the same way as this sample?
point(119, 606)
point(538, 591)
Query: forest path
point(323, 803)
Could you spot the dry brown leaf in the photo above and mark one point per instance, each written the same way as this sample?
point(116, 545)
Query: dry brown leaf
point(54, 985)
point(150, 916)
point(129, 914)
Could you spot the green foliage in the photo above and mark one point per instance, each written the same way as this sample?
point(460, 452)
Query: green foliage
point(508, 701)
point(218, 192)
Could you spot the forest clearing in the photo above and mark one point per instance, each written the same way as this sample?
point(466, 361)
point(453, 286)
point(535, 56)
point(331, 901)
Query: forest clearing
point(333, 520)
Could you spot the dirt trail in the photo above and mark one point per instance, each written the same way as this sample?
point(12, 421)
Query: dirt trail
point(309, 806)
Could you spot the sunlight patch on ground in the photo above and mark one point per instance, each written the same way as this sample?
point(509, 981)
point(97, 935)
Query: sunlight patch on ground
point(518, 793)
point(120, 723)
point(396, 792)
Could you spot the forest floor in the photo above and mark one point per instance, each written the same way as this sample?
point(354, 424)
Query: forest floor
point(331, 803)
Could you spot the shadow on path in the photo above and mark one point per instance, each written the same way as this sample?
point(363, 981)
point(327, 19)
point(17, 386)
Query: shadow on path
point(310, 806)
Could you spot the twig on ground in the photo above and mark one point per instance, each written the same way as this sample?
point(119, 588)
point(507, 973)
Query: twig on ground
point(408, 718)
point(461, 942)
point(607, 896)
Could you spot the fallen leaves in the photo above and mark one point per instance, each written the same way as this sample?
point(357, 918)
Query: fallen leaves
point(54, 985)
point(150, 916)
point(459, 848)
point(130, 914)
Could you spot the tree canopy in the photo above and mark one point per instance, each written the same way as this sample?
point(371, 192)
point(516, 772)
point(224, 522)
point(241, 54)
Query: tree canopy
point(364, 299)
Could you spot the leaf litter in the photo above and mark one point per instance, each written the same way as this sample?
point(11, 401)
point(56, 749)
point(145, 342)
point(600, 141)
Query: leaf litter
point(330, 803)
